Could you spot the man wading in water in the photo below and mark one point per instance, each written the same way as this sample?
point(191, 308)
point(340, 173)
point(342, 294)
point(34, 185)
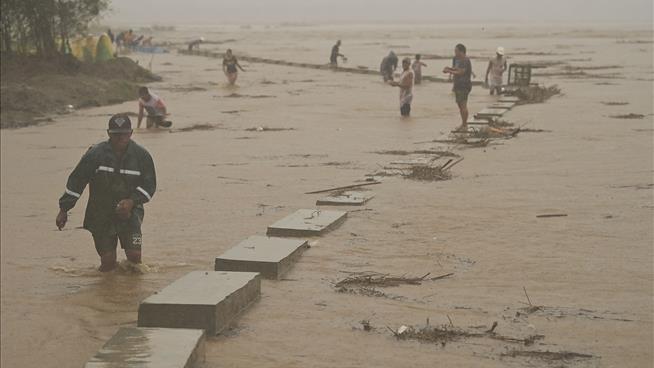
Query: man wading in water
point(461, 72)
point(333, 57)
point(121, 178)
point(406, 87)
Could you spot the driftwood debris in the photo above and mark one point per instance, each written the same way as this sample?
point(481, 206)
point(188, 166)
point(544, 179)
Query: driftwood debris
point(384, 280)
point(426, 172)
point(548, 355)
point(367, 283)
point(536, 93)
point(447, 333)
point(489, 132)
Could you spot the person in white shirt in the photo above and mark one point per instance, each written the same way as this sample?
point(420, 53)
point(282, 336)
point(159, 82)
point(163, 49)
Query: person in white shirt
point(496, 68)
point(155, 107)
point(406, 87)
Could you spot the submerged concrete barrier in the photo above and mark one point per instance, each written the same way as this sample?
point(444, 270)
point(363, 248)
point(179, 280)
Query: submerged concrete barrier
point(206, 300)
point(346, 199)
point(254, 59)
point(490, 113)
point(514, 99)
point(307, 223)
point(502, 105)
point(271, 257)
point(133, 347)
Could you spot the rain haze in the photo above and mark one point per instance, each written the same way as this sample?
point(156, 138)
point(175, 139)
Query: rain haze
point(211, 11)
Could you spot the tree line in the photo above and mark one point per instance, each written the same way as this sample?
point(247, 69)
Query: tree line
point(44, 27)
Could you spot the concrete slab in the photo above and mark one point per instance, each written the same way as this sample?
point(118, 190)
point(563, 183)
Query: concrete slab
point(271, 257)
point(346, 199)
point(503, 105)
point(151, 348)
point(490, 112)
point(509, 99)
point(477, 122)
point(206, 300)
point(307, 223)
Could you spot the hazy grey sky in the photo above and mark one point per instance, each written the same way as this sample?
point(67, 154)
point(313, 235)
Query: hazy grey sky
point(240, 11)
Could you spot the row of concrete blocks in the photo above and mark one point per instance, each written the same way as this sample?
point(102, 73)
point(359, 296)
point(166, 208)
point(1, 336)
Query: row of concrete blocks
point(254, 59)
point(173, 323)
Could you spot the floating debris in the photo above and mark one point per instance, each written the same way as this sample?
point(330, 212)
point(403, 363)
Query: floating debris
point(368, 291)
point(418, 152)
point(499, 124)
point(385, 280)
point(203, 126)
point(472, 143)
point(267, 129)
point(367, 284)
point(548, 355)
point(490, 132)
point(536, 94)
point(448, 333)
point(238, 95)
point(628, 116)
point(426, 172)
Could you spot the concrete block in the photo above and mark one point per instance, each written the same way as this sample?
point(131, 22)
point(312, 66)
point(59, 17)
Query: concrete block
point(346, 199)
point(477, 122)
point(151, 348)
point(271, 257)
point(509, 99)
point(490, 112)
point(307, 223)
point(207, 300)
point(503, 105)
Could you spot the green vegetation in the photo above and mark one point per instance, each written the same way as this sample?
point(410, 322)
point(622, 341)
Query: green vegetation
point(44, 27)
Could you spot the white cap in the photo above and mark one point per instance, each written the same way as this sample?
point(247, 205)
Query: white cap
point(500, 50)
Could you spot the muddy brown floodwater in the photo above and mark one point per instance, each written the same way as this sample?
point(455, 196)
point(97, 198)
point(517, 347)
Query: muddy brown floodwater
point(588, 275)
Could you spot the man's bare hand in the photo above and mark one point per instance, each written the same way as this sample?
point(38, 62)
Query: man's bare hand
point(62, 218)
point(124, 209)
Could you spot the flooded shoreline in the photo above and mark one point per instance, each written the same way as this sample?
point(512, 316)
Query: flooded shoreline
point(589, 272)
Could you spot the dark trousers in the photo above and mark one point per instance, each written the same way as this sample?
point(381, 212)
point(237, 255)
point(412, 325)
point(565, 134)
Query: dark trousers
point(405, 110)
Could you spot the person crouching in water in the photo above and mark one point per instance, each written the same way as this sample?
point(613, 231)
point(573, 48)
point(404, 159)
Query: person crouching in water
point(155, 107)
point(195, 44)
point(121, 177)
point(406, 87)
point(417, 69)
point(230, 65)
point(388, 66)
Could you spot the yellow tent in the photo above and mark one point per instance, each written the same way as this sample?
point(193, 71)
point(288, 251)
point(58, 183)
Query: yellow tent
point(91, 48)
